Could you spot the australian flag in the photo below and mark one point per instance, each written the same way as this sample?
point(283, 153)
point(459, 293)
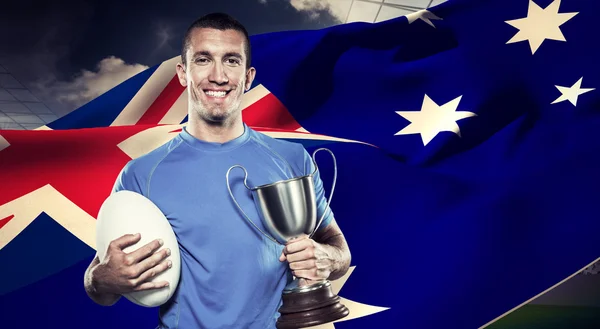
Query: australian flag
point(466, 140)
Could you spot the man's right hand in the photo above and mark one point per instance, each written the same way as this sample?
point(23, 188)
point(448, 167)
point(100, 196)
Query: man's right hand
point(122, 272)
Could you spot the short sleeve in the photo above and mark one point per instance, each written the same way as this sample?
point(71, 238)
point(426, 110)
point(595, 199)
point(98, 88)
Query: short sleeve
point(128, 179)
point(321, 197)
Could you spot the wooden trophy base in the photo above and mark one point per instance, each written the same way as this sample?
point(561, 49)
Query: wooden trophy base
point(310, 306)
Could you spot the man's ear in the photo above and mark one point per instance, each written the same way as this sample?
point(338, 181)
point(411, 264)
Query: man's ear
point(250, 74)
point(181, 74)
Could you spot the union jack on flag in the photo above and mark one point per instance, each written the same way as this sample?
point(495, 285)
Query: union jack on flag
point(466, 138)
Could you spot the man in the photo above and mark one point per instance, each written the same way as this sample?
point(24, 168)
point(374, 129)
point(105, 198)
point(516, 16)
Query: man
point(232, 276)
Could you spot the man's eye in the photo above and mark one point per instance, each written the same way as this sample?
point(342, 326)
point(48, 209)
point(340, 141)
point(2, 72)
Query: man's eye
point(233, 61)
point(201, 60)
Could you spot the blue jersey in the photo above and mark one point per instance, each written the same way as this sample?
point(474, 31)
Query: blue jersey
point(231, 276)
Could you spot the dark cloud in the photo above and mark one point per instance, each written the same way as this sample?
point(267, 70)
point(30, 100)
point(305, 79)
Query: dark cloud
point(87, 85)
point(60, 51)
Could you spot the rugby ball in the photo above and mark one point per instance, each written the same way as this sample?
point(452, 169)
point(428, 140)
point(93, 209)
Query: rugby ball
point(127, 212)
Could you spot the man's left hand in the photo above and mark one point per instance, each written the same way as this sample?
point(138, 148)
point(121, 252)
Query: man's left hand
point(308, 259)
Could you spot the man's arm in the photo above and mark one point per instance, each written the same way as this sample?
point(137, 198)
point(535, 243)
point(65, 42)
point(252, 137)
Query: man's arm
point(90, 288)
point(122, 272)
point(333, 241)
point(325, 256)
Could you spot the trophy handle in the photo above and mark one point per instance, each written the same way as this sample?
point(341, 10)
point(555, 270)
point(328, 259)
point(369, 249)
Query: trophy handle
point(238, 205)
point(332, 187)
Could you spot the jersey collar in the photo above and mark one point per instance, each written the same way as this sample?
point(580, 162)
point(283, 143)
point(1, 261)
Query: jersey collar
point(215, 146)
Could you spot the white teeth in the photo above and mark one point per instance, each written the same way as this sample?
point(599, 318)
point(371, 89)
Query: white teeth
point(216, 93)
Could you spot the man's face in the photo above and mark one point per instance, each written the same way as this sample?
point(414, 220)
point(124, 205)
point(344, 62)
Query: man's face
point(215, 73)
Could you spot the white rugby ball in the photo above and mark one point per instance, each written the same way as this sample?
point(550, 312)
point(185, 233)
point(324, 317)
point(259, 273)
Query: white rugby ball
point(127, 212)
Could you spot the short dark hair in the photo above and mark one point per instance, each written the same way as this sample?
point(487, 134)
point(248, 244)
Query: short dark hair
point(218, 21)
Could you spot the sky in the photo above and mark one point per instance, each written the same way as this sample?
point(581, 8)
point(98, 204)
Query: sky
point(69, 52)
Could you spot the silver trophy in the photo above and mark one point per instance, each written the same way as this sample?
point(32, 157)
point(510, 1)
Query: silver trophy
point(288, 209)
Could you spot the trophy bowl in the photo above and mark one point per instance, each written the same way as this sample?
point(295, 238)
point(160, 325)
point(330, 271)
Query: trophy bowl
point(288, 209)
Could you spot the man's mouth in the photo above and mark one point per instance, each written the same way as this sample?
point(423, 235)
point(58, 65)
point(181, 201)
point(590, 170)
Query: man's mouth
point(217, 93)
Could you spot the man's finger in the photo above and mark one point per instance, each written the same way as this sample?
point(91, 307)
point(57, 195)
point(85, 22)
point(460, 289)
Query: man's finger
point(125, 241)
point(294, 241)
point(156, 270)
point(297, 246)
point(303, 265)
point(298, 238)
point(306, 274)
point(143, 252)
point(282, 257)
point(301, 256)
point(151, 285)
point(152, 261)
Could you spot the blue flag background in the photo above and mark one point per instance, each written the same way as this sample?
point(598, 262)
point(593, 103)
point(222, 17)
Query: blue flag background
point(454, 233)
point(447, 233)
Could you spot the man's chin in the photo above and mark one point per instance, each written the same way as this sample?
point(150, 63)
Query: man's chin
point(216, 118)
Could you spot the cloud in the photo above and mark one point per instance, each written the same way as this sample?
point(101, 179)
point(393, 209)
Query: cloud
point(87, 85)
point(163, 35)
point(163, 42)
point(315, 8)
point(33, 54)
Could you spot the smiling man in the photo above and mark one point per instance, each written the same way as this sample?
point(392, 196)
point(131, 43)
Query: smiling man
point(232, 276)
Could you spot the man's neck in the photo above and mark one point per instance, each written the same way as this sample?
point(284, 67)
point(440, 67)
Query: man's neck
point(215, 133)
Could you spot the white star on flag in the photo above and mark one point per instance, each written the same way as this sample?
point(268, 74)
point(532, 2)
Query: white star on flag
point(571, 93)
point(540, 24)
point(433, 119)
point(424, 15)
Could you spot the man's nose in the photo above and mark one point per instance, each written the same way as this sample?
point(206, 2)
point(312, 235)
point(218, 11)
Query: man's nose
point(218, 74)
